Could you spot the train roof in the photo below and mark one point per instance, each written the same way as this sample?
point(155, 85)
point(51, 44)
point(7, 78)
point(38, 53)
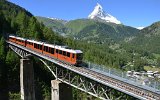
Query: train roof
point(17, 37)
point(35, 41)
point(12, 36)
point(20, 38)
point(63, 48)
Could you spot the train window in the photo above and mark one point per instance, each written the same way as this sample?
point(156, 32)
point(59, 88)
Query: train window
point(35, 45)
point(56, 50)
point(79, 56)
point(73, 55)
point(64, 53)
point(68, 54)
point(60, 51)
point(52, 50)
point(40, 47)
point(49, 49)
point(46, 49)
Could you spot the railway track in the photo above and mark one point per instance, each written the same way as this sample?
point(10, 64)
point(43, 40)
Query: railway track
point(117, 83)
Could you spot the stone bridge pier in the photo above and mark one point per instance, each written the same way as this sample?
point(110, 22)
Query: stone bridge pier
point(27, 79)
point(60, 91)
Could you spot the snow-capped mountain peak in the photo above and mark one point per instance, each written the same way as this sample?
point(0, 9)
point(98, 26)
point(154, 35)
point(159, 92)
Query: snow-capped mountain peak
point(99, 14)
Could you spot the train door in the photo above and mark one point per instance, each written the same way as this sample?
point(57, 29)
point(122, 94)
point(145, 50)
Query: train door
point(73, 58)
point(25, 43)
point(56, 53)
point(69, 56)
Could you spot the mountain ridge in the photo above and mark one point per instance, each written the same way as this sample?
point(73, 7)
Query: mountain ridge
point(80, 28)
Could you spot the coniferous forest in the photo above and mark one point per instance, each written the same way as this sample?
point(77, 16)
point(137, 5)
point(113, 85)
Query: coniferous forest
point(18, 21)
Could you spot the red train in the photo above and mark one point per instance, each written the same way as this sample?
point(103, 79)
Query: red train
point(62, 53)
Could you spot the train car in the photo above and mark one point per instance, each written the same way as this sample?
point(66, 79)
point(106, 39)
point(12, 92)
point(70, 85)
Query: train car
point(12, 38)
point(49, 50)
point(34, 45)
point(69, 55)
point(63, 53)
point(20, 41)
point(17, 40)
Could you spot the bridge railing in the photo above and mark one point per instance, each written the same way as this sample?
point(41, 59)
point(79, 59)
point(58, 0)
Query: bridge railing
point(122, 75)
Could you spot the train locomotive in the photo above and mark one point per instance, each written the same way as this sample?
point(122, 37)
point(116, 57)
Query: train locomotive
point(61, 53)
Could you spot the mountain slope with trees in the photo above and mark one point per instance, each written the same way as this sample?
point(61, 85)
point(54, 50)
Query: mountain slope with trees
point(100, 31)
point(56, 25)
point(93, 30)
point(148, 39)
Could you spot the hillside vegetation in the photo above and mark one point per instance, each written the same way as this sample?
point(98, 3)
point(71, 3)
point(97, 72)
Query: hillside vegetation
point(148, 39)
point(55, 25)
point(146, 45)
point(94, 31)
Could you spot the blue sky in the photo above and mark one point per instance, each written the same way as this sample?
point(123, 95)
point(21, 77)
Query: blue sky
point(134, 13)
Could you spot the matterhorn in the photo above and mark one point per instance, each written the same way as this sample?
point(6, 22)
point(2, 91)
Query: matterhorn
point(99, 14)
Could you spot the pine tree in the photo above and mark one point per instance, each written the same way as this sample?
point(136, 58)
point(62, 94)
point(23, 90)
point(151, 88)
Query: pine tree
point(2, 49)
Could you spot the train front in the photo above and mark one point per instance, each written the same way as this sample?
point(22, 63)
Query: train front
point(79, 57)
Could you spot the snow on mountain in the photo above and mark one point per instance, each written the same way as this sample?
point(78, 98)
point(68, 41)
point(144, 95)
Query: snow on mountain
point(58, 19)
point(54, 18)
point(99, 14)
point(140, 28)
